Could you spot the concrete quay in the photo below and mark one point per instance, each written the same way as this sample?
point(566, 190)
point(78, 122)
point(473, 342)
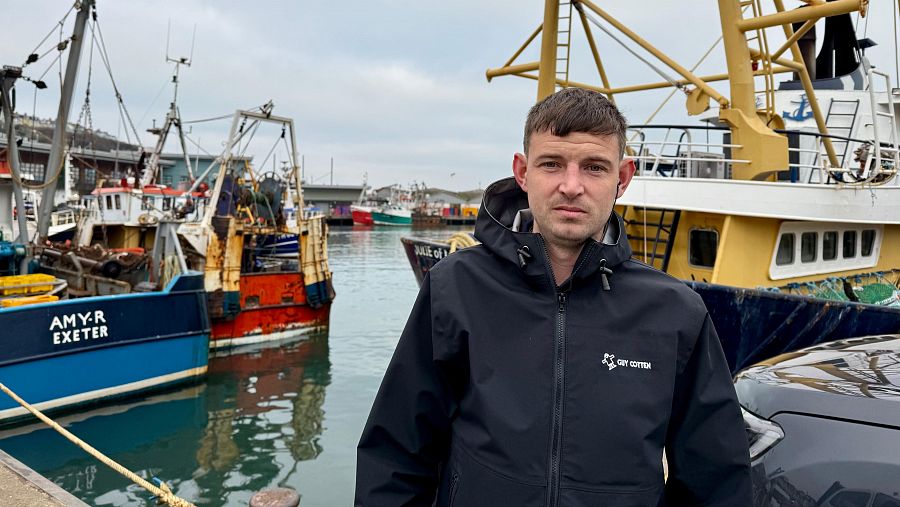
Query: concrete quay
point(20, 485)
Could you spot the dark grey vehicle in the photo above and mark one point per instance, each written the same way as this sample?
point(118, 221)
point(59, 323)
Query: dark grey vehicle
point(824, 424)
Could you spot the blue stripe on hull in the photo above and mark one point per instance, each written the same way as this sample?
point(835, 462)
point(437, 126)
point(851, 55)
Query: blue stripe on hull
point(67, 375)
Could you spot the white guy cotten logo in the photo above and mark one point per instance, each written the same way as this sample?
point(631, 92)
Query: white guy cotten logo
point(611, 362)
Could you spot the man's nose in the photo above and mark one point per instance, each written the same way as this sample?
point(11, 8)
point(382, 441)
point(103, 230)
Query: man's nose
point(571, 185)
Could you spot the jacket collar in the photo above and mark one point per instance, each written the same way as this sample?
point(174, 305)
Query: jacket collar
point(526, 250)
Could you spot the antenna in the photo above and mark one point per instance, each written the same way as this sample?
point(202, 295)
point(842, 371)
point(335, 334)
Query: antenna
point(182, 60)
point(193, 38)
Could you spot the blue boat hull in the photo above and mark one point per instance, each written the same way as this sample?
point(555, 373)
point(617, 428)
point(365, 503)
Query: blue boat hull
point(66, 353)
point(752, 324)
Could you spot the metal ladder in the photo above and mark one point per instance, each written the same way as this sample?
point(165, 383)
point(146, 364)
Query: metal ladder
point(835, 122)
point(563, 41)
point(878, 168)
point(659, 247)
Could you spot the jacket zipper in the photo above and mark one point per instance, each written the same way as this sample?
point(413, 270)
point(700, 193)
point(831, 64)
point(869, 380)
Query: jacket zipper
point(558, 391)
point(454, 483)
point(559, 371)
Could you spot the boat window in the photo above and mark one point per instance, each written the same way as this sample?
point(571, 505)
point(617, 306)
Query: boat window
point(785, 249)
point(850, 499)
point(882, 500)
point(167, 204)
point(118, 201)
point(109, 202)
point(808, 246)
point(829, 245)
point(703, 246)
point(868, 241)
point(146, 203)
point(849, 244)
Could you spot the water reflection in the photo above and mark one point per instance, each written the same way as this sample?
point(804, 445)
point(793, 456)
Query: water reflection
point(259, 413)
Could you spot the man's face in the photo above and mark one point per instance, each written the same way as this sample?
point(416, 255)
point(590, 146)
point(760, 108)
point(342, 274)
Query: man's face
point(572, 182)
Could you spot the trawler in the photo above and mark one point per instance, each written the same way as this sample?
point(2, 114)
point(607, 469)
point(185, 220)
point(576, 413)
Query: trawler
point(255, 291)
point(224, 224)
point(782, 207)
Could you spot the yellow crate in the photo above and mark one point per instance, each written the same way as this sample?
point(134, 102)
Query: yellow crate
point(27, 300)
point(10, 285)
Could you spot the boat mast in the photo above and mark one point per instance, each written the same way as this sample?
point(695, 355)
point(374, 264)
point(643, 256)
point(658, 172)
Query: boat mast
point(55, 159)
point(8, 77)
point(173, 117)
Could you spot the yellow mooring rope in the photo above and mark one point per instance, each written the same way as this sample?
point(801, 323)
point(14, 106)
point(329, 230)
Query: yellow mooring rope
point(163, 492)
point(461, 240)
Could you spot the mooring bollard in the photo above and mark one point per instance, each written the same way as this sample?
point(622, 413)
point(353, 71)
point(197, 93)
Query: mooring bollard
point(276, 497)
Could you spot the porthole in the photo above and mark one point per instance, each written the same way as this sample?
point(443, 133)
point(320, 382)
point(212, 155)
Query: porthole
point(702, 248)
point(829, 245)
point(785, 250)
point(868, 241)
point(849, 244)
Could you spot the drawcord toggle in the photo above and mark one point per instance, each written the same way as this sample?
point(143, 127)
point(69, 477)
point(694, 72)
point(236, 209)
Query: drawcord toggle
point(603, 272)
point(524, 256)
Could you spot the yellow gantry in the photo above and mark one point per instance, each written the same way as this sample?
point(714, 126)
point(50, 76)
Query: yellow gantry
point(752, 129)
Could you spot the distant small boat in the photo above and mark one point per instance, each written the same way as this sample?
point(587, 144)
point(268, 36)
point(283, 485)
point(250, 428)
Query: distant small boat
point(392, 215)
point(362, 215)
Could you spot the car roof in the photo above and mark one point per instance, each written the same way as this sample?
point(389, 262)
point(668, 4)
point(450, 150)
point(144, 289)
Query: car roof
point(856, 379)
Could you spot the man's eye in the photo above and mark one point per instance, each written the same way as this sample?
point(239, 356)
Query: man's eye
point(595, 168)
point(549, 164)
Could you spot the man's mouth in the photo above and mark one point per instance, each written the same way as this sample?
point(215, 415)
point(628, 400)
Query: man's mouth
point(569, 211)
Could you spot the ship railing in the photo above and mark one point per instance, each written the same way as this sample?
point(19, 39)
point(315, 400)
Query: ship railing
point(677, 151)
point(680, 154)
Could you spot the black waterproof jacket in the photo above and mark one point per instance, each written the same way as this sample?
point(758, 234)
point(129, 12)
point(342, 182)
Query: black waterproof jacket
point(506, 390)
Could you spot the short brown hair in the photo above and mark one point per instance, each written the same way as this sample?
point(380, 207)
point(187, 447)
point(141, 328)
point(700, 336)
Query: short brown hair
point(576, 110)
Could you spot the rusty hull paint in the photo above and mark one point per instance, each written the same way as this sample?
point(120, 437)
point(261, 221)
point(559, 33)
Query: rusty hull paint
point(223, 256)
point(270, 303)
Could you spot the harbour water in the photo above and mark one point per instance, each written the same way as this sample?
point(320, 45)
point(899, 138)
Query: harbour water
point(287, 415)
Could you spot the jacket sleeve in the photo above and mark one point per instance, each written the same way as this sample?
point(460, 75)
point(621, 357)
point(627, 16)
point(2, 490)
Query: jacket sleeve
point(706, 445)
point(406, 437)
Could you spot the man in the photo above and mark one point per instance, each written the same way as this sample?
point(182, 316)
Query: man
point(545, 367)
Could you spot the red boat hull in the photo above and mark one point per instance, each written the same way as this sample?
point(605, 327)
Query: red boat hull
point(362, 217)
point(272, 306)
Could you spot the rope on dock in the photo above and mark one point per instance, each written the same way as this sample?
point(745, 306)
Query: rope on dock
point(461, 240)
point(162, 492)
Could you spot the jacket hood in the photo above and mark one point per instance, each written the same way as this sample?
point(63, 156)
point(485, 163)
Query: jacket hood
point(494, 228)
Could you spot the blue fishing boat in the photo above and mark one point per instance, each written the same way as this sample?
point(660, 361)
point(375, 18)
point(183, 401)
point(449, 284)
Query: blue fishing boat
point(66, 353)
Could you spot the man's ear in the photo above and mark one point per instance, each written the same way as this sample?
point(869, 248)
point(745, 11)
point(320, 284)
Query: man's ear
point(626, 172)
point(520, 167)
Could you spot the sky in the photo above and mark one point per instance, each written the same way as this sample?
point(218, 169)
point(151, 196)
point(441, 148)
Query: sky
point(392, 90)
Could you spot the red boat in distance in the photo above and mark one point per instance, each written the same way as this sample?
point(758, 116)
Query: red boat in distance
point(362, 215)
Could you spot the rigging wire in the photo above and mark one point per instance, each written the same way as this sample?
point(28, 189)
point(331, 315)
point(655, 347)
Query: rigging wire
point(195, 143)
point(153, 102)
point(60, 23)
point(675, 90)
point(104, 56)
point(204, 120)
point(272, 150)
point(656, 69)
